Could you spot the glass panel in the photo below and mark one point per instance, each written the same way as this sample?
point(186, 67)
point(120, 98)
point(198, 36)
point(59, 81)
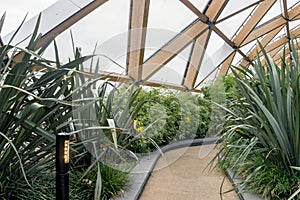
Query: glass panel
point(291, 3)
point(109, 35)
point(166, 19)
point(234, 6)
point(200, 5)
point(294, 24)
point(174, 70)
point(212, 60)
point(247, 48)
point(170, 15)
point(230, 26)
point(51, 17)
point(16, 11)
point(272, 13)
point(237, 59)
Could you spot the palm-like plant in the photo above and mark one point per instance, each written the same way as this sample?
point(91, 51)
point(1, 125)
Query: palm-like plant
point(263, 124)
point(35, 105)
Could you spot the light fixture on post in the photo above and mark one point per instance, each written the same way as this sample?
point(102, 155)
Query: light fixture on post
point(62, 166)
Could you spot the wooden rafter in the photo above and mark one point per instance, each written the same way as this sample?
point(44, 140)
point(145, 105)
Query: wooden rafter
point(279, 21)
point(212, 13)
point(258, 14)
point(196, 58)
point(266, 28)
point(63, 25)
point(279, 54)
point(294, 13)
point(114, 77)
point(228, 59)
point(228, 41)
point(278, 43)
point(264, 42)
point(215, 8)
point(171, 49)
point(226, 64)
point(296, 32)
point(275, 51)
point(137, 37)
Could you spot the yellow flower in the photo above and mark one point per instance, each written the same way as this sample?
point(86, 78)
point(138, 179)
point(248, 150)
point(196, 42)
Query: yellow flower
point(140, 129)
point(137, 126)
point(188, 119)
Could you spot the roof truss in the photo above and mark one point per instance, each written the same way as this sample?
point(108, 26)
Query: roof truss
point(197, 33)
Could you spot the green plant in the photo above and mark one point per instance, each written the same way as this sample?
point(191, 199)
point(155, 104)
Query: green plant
point(113, 182)
point(37, 101)
point(261, 136)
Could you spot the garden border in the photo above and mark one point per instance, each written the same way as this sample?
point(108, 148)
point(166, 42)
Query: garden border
point(141, 173)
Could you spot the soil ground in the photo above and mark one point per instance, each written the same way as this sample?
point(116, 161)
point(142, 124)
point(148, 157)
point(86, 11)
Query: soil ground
point(183, 175)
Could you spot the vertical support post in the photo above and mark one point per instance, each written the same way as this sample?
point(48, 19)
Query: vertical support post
point(62, 166)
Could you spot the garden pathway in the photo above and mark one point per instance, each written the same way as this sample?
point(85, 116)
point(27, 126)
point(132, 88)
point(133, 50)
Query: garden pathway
point(183, 175)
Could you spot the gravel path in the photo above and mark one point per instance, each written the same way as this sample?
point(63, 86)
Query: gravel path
point(182, 175)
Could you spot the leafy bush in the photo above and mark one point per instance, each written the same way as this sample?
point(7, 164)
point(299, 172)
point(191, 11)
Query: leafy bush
point(182, 116)
point(261, 139)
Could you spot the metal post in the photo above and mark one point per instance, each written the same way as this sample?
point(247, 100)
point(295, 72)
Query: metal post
point(62, 166)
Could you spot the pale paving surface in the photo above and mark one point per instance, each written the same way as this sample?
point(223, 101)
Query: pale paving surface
point(183, 178)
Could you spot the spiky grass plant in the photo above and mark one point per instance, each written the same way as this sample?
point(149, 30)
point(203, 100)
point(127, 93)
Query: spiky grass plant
point(35, 104)
point(262, 132)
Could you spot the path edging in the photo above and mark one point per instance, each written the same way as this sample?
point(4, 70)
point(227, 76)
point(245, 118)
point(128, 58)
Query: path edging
point(142, 171)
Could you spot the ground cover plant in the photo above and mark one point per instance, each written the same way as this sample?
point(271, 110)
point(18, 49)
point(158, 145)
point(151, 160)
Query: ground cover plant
point(261, 133)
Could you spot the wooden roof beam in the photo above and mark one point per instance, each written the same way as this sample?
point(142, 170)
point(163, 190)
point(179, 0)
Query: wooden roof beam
point(225, 65)
point(264, 42)
point(228, 41)
point(196, 58)
point(294, 13)
point(215, 9)
point(262, 30)
point(212, 13)
point(278, 43)
point(287, 28)
point(258, 14)
point(114, 77)
point(62, 26)
point(273, 24)
point(172, 48)
point(278, 54)
point(136, 38)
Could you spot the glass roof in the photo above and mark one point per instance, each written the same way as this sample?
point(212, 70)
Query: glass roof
point(103, 27)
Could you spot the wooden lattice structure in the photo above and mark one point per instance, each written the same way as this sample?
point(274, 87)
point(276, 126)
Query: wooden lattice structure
point(273, 34)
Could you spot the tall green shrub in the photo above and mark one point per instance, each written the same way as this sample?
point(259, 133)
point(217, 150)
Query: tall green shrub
point(262, 128)
point(35, 105)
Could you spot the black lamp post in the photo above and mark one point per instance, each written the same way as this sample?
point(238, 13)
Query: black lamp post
point(62, 166)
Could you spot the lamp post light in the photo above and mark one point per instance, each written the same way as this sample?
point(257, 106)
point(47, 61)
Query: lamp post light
point(62, 166)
